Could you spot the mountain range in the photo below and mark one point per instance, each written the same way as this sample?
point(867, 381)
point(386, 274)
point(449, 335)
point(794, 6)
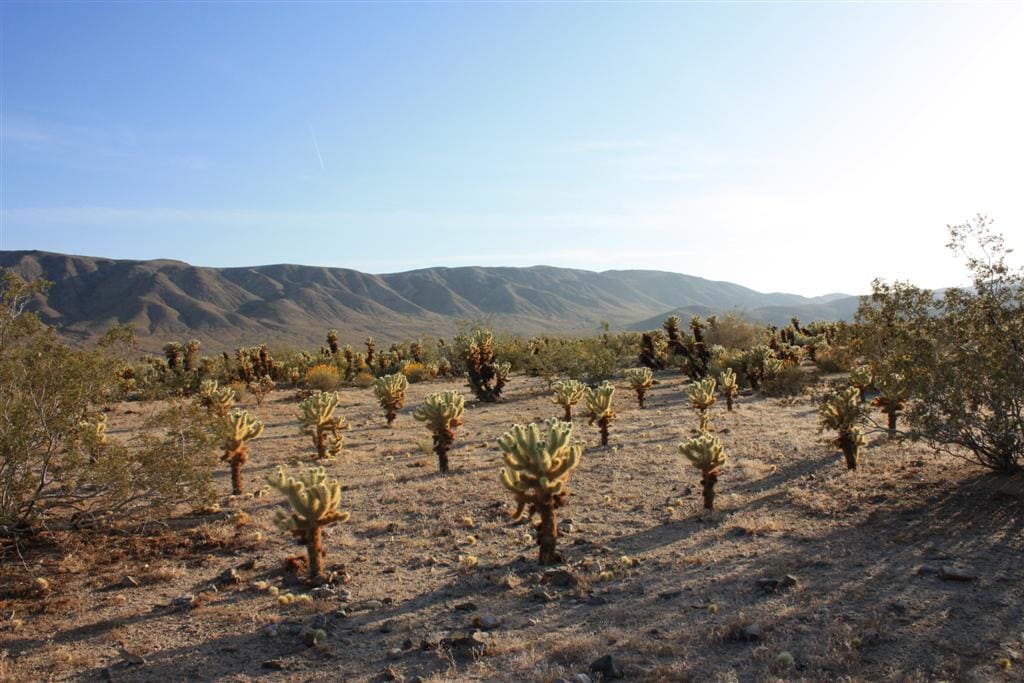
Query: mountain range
point(296, 305)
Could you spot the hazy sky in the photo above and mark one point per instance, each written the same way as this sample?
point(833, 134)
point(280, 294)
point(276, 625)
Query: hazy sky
point(794, 147)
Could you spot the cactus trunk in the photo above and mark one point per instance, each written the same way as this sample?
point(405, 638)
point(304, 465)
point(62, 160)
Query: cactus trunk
point(315, 551)
point(708, 480)
point(547, 534)
point(603, 424)
point(442, 443)
point(891, 415)
point(390, 417)
point(640, 392)
point(568, 413)
point(848, 444)
point(728, 403)
point(320, 441)
point(705, 420)
point(236, 476)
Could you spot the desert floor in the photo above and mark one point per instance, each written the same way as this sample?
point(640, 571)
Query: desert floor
point(910, 568)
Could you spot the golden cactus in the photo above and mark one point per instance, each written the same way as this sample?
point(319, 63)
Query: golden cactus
point(843, 413)
point(861, 377)
point(390, 393)
point(316, 415)
point(599, 407)
point(729, 387)
point(241, 427)
point(314, 505)
point(641, 380)
point(705, 452)
point(702, 397)
point(567, 394)
point(442, 413)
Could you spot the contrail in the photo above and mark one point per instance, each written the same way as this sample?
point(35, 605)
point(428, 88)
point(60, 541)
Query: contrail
point(315, 145)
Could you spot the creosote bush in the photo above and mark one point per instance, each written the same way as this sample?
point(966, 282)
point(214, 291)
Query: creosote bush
point(567, 394)
point(240, 429)
point(640, 379)
point(536, 471)
point(316, 415)
point(441, 412)
point(599, 408)
point(705, 452)
point(390, 393)
point(313, 502)
point(323, 377)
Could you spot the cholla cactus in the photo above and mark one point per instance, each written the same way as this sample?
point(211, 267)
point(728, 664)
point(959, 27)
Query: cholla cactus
point(706, 454)
point(260, 388)
point(843, 413)
point(702, 397)
point(318, 419)
point(536, 471)
point(216, 399)
point(729, 387)
point(641, 380)
point(332, 341)
point(442, 413)
point(755, 362)
point(486, 376)
point(599, 407)
point(172, 351)
point(390, 393)
point(861, 378)
point(892, 397)
point(192, 354)
point(241, 427)
point(314, 505)
point(370, 349)
point(567, 394)
point(93, 437)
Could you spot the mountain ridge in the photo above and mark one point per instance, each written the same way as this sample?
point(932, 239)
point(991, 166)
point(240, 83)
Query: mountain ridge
point(168, 299)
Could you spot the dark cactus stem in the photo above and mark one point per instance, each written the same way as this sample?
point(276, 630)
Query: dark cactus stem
point(236, 476)
point(848, 444)
point(568, 413)
point(708, 480)
point(315, 552)
point(390, 416)
point(547, 534)
point(603, 424)
point(640, 392)
point(891, 415)
point(442, 444)
point(728, 403)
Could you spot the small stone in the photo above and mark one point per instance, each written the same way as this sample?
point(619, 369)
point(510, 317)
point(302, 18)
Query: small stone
point(566, 527)
point(541, 595)
point(186, 601)
point(372, 605)
point(487, 621)
point(751, 633)
point(927, 570)
point(395, 653)
point(230, 576)
point(388, 626)
point(466, 606)
point(597, 600)
point(322, 593)
point(468, 640)
point(319, 621)
point(606, 667)
point(407, 644)
point(580, 678)
point(343, 594)
point(954, 573)
point(559, 578)
point(270, 630)
point(129, 582)
point(668, 595)
point(901, 606)
point(275, 664)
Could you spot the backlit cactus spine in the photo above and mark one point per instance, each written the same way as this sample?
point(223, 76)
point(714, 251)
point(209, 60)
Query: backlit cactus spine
point(316, 414)
point(216, 399)
point(567, 394)
point(843, 413)
point(536, 471)
point(728, 387)
point(314, 505)
point(702, 397)
point(390, 393)
point(241, 428)
point(705, 452)
point(442, 413)
point(861, 378)
point(599, 407)
point(640, 379)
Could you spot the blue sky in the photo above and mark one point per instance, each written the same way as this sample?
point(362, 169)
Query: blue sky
point(794, 147)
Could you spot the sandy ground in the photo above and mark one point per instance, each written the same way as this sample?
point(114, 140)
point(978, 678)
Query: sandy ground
point(853, 574)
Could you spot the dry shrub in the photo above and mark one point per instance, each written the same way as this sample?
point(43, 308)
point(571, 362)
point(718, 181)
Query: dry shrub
point(323, 377)
point(735, 332)
point(790, 381)
point(417, 372)
point(834, 359)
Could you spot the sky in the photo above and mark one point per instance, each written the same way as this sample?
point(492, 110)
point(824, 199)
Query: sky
point(798, 147)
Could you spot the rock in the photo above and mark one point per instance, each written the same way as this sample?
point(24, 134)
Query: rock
point(322, 593)
point(597, 600)
point(186, 601)
point(275, 664)
point(466, 607)
point(395, 653)
point(291, 628)
point(606, 667)
point(487, 621)
point(319, 621)
point(248, 565)
point(541, 595)
point(900, 606)
point(388, 626)
point(772, 585)
point(566, 526)
point(751, 633)
point(559, 578)
point(371, 605)
point(343, 594)
point(580, 678)
point(230, 576)
point(927, 570)
point(407, 644)
point(129, 582)
point(668, 595)
point(468, 641)
point(954, 573)
point(270, 630)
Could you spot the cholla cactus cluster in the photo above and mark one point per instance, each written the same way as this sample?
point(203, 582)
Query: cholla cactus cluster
point(487, 377)
point(567, 394)
point(314, 505)
point(216, 399)
point(892, 397)
point(442, 413)
point(390, 393)
point(316, 414)
point(729, 387)
point(705, 452)
point(260, 388)
point(702, 397)
point(640, 379)
point(843, 413)
point(536, 471)
point(758, 365)
point(241, 427)
point(599, 407)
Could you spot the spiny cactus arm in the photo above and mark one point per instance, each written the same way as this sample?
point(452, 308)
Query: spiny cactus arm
point(245, 426)
point(704, 452)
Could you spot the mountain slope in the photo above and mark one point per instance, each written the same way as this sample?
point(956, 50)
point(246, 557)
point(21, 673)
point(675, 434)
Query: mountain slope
point(293, 304)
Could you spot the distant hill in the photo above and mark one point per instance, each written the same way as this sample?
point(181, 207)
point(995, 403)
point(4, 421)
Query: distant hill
point(290, 304)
